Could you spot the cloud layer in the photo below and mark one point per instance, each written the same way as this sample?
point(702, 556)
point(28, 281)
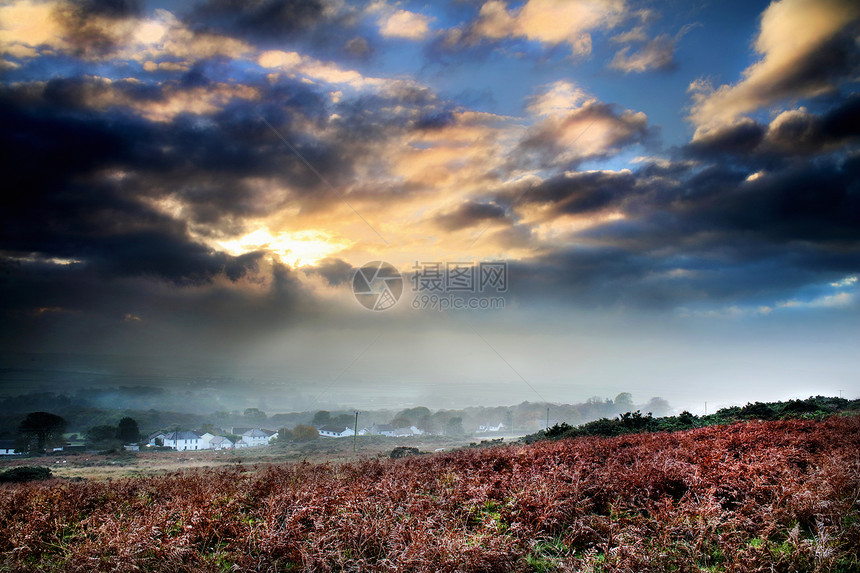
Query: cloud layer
point(179, 166)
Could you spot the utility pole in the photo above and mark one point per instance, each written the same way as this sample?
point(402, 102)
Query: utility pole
point(706, 407)
point(355, 432)
point(547, 418)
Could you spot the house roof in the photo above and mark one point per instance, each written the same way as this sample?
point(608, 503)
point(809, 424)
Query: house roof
point(219, 440)
point(182, 436)
point(333, 429)
point(7, 444)
point(255, 433)
point(384, 427)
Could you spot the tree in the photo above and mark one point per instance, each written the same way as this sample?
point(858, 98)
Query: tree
point(415, 413)
point(41, 430)
point(284, 435)
point(255, 415)
point(101, 433)
point(454, 427)
point(624, 402)
point(210, 428)
point(127, 431)
point(343, 420)
point(401, 422)
point(321, 418)
point(658, 406)
point(304, 433)
point(686, 419)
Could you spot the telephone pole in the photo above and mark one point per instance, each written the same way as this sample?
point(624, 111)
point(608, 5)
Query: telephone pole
point(355, 432)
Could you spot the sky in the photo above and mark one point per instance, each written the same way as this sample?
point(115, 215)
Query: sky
point(573, 198)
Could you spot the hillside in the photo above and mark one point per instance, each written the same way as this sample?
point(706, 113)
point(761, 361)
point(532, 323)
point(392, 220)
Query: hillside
point(755, 496)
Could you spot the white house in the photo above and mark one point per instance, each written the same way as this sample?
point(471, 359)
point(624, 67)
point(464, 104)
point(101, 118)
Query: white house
point(271, 433)
point(336, 431)
point(402, 432)
point(7, 448)
point(241, 444)
point(181, 441)
point(156, 439)
point(205, 440)
point(382, 430)
point(484, 428)
point(220, 443)
point(257, 437)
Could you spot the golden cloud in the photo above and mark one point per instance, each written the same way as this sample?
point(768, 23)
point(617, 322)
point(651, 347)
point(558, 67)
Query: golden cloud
point(793, 42)
point(550, 21)
point(405, 24)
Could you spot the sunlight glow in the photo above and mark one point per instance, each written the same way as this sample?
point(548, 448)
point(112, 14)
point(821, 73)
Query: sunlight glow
point(297, 248)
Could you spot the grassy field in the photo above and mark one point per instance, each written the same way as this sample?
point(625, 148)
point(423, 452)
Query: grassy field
point(92, 465)
point(757, 496)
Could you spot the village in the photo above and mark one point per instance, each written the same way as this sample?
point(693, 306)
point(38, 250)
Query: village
point(247, 437)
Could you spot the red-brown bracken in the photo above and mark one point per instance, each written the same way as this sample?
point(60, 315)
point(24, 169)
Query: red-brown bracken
point(757, 496)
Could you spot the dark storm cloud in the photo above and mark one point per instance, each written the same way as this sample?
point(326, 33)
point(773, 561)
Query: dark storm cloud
point(82, 186)
point(594, 277)
point(435, 121)
point(699, 233)
point(470, 214)
point(610, 277)
point(335, 271)
point(87, 172)
point(91, 25)
point(76, 308)
point(742, 137)
point(812, 201)
point(581, 192)
point(804, 132)
point(213, 162)
point(326, 31)
point(835, 60)
point(797, 132)
point(708, 208)
point(258, 18)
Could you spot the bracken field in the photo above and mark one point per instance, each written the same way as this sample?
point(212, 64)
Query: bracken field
point(757, 496)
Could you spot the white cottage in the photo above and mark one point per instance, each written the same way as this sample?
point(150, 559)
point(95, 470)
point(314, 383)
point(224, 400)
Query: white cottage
point(382, 430)
point(484, 428)
point(336, 431)
point(181, 441)
point(257, 437)
point(220, 443)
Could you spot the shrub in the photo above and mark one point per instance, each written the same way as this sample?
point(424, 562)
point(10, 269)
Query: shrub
point(25, 473)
